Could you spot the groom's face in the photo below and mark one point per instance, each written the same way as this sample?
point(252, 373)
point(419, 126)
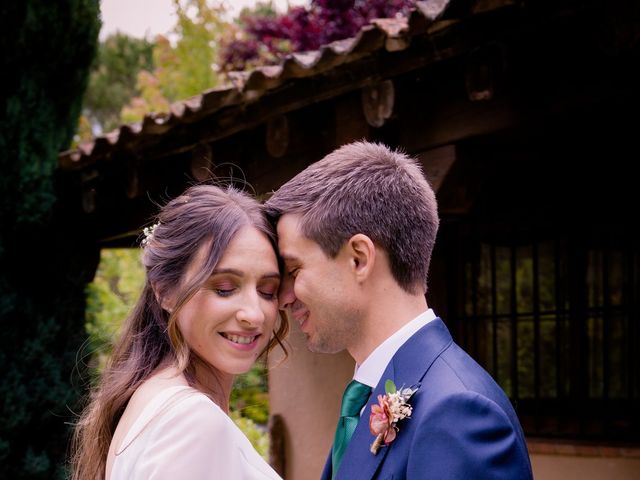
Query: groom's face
point(316, 290)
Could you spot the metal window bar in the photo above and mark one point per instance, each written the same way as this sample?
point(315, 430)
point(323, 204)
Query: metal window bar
point(634, 320)
point(560, 318)
point(514, 319)
point(632, 304)
point(606, 334)
point(536, 331)
point(475, 267)
point(494, 311)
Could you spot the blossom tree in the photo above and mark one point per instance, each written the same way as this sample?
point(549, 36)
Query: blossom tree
point(265, 38)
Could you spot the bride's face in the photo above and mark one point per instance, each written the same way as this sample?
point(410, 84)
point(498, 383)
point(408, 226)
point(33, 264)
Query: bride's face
point(230, 320)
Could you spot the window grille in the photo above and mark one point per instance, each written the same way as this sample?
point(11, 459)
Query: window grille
point(553, 316)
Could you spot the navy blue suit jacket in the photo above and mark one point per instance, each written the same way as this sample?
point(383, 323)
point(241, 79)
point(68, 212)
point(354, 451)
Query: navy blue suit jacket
point(462, 427)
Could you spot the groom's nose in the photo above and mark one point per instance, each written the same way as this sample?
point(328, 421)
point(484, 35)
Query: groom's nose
point(286, 295)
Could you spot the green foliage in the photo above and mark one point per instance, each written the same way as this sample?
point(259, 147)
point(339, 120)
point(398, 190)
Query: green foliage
point(110, 297)
point(257, 435)
point(113, 78)
point(46, 49)
point(390, 387)
point(188, 68)
point(184, 68)
point(249, 395)
point(259, 9)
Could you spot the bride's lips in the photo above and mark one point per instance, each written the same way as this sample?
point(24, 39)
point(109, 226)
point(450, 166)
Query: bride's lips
point(241, 340)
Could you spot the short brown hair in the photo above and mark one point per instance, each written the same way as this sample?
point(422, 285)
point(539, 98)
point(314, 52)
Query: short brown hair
point(366, 188)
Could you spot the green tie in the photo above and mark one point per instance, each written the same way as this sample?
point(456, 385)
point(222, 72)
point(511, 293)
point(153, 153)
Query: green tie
point(355, 397)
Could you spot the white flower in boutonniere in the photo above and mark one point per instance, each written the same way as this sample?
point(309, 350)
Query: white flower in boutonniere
point(391, 408)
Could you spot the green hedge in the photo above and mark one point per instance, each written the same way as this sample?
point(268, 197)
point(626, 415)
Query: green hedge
point(46, 48)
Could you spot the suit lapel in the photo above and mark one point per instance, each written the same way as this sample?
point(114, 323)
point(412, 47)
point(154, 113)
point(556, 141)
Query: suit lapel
point(407, 368)
point(327, 471)
point(414, 358)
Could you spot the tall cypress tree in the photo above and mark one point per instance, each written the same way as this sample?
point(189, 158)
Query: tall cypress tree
point(46, 48)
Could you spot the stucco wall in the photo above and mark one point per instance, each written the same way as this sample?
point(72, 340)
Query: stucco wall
point(306, 390)
point(559, 467)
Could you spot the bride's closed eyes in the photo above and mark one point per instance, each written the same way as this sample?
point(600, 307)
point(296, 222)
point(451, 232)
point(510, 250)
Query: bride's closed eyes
point(266, 287)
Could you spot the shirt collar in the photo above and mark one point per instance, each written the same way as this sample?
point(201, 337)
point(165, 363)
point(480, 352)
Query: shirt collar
point(370, 371)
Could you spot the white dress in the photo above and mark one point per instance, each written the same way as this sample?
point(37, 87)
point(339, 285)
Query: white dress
point(181, 433)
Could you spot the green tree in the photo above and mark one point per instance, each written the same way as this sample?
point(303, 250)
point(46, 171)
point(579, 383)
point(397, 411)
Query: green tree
point(46, 49)
point(114, 73)
point(110, 297)
point(184, 68)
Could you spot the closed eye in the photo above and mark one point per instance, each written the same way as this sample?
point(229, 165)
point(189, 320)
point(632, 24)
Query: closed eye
point(268, 288)
point(224, 292)
point(268, 295)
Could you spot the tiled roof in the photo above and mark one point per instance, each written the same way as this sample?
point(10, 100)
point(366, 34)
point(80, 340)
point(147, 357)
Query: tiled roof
point(248, 87)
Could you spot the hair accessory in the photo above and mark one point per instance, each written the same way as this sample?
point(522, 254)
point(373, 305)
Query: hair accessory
point(148, 234)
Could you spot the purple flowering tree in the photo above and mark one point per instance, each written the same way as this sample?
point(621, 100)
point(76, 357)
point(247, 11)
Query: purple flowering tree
point(265, 38)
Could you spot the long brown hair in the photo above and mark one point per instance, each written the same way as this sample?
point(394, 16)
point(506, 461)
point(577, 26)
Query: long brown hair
point(203, 215)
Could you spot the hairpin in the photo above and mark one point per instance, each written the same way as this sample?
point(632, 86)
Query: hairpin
point(148, 234)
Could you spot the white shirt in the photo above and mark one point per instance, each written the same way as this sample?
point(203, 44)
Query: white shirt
point(371, 370)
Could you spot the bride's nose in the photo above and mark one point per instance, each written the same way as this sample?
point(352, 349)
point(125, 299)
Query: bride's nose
point(251, 312)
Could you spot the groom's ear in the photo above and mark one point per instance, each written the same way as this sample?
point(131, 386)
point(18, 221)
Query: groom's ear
point(362, 253)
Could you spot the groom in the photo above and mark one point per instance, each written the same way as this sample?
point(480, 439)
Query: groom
point(356, 231)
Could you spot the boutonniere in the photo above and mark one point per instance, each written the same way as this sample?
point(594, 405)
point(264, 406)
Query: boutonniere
point(391, 408)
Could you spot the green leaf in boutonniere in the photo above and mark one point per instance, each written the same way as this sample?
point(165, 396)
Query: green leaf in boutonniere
point(390, 387)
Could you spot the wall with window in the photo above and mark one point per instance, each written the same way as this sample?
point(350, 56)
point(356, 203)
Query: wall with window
point(541, 282)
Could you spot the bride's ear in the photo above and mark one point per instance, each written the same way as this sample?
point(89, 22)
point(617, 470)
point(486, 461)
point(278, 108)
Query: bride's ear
point(166, 303)
point(362, 253)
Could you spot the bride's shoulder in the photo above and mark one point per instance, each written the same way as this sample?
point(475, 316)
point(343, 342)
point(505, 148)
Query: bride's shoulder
point(155, 386)
point(187, 409)
point(166, 399)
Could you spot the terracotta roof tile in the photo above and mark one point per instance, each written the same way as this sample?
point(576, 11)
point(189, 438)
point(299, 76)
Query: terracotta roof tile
point(245, 87)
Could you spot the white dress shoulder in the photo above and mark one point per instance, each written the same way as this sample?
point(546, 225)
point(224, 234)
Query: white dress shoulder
point(181, 433)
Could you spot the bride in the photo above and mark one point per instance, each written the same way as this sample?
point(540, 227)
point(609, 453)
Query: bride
point(208, 310)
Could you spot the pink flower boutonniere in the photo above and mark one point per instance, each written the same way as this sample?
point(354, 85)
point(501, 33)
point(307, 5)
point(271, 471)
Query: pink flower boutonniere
point(391, 408)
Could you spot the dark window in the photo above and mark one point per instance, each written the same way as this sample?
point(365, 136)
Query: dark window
point(553, 316)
